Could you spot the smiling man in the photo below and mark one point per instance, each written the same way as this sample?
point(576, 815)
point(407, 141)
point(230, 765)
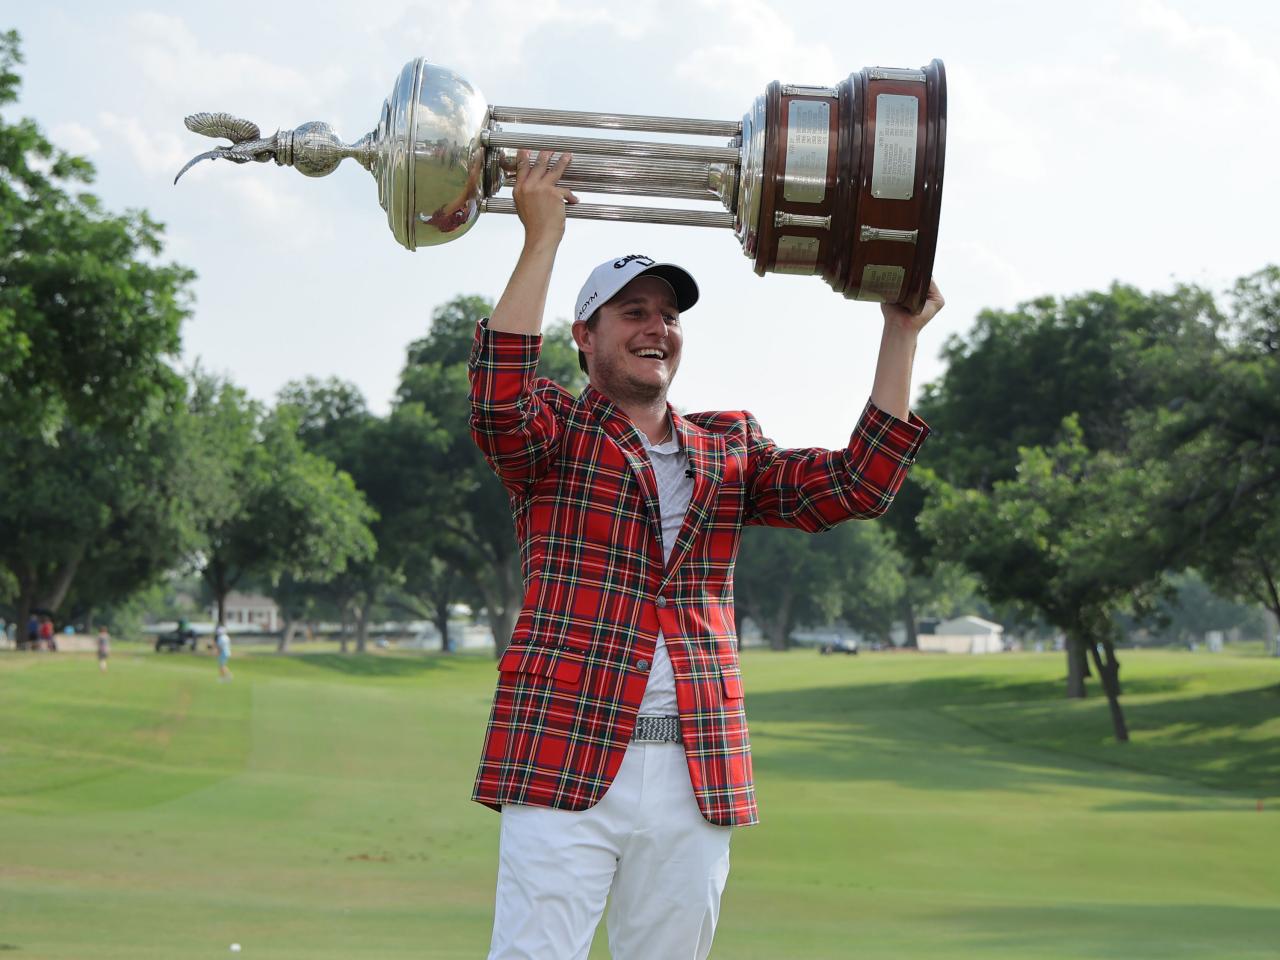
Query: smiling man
point(617, 748)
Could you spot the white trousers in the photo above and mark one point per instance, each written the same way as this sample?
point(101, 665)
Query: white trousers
point(645, 846)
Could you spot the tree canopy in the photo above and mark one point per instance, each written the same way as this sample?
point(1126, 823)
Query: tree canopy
point(89, 319)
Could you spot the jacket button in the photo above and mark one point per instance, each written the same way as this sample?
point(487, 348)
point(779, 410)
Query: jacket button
point(661, 601)
point(642, 666)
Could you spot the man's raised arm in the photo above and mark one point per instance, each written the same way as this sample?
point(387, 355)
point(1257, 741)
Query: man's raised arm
point(540, 203)
point(512, 425)
point(891, 390)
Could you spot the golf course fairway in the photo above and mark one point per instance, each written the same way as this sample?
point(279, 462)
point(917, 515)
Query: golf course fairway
point(913, 806)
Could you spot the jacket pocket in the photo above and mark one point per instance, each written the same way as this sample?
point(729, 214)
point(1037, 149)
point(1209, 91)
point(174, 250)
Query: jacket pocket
point(563, 667)
point(731, 681)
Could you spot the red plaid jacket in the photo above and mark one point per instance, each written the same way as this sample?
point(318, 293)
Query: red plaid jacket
point(596, 591)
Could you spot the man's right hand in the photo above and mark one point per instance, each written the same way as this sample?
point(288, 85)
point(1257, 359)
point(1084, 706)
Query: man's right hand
point(540, 200)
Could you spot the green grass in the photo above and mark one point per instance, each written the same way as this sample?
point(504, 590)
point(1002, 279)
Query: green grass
point(914, 807)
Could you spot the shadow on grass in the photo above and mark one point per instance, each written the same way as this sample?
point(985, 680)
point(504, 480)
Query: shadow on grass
point(1132, 931)
point(1216, 740)
point(977, 733)
point(939, 692)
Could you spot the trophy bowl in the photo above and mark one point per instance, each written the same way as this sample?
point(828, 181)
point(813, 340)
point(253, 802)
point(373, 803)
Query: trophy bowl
point(841, 182)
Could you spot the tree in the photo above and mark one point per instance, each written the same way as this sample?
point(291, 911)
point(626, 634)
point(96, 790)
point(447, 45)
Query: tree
point(788, 578)
point(91, 516)
point(334, 422)
point(1067, 535)
point(1193, 609)
point(465, 517)
point(89, 510)
point(271, 507)
point(1220, 439)
point(1091, 362)
point(88, 319)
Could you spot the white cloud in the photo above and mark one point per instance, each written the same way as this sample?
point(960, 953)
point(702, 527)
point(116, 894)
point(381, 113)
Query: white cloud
point(75, 138)
point(985, 134)
point(180, 70)
point(1223, 50)
point(154, 152)
point(458, 34)
point(297, 223)
point(986, 270)
point(756, 45)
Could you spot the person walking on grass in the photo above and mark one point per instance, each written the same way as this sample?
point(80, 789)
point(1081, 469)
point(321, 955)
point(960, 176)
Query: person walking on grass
point(222, 643)
point(617, 747)
point(104, 648)
point(47, 639)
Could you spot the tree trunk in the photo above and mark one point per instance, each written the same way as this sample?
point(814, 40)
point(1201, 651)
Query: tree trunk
point(1272, 602)
point(1077, 666)
point(780, 624)
point(1109, 674)
point(503, 599)
point(909, 618)
point(777, 633)
point(441, 620)
point(363, 609)
point(215, 575)
point(24, 615)
point(26, 600)
point(57, 591)
point(503, 623)
point(286, 635)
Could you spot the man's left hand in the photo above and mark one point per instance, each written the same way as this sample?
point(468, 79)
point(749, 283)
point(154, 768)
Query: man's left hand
point(914, 322)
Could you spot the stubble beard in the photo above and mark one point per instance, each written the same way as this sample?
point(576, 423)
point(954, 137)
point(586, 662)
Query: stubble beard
point(619, 387)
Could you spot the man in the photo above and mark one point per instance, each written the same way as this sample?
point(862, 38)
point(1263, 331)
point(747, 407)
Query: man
point(617, 749)
point(222, 643)
point(104, 647)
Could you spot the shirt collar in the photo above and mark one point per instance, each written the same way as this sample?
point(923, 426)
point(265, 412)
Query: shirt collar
point(604, 409)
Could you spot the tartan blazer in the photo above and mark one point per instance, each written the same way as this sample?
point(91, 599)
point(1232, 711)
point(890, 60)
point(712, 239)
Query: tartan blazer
point(585, 505)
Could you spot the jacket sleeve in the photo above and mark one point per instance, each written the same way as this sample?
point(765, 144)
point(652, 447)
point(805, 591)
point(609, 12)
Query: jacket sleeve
point(512, 422)
point(815, 489)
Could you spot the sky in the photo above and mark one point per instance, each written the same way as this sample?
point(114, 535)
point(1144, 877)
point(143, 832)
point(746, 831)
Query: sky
point(1088, 143)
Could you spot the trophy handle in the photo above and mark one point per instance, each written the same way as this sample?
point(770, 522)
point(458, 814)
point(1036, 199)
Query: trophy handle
point(313, 149)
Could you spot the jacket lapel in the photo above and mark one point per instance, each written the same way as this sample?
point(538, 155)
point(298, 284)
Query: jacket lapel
point(706, 458)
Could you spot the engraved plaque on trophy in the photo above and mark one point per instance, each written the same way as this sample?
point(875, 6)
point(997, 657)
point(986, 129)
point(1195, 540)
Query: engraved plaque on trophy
point(841, 182)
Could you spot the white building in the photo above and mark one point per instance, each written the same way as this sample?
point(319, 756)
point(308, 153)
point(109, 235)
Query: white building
point(250, 612)
point(963, 635)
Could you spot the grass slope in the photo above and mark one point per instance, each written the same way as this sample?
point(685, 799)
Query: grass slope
point(914, 807)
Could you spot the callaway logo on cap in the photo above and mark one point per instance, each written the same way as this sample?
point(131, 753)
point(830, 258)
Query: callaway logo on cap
point(612, 275)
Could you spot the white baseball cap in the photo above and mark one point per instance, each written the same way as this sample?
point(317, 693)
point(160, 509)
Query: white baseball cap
point(612, 275)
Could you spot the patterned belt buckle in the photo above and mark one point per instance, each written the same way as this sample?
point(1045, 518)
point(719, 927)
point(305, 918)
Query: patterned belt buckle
point(657, 730)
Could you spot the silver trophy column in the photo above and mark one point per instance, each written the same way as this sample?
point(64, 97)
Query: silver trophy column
point(630, 167)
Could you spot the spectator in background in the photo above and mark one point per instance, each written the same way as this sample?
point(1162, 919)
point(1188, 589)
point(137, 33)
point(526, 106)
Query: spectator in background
point(46, 635)
point(104, 648)
point(222, 641)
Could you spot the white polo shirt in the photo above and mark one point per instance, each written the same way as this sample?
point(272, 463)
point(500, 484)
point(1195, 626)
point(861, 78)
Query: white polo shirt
point(675, 489)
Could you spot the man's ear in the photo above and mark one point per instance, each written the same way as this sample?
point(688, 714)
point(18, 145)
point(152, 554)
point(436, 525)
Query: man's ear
point(581, 335)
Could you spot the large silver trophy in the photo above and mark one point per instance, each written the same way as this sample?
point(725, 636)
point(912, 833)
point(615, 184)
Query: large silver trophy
point(843, 182)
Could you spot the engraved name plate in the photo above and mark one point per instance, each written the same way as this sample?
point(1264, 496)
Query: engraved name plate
point(804, 179)
point(797, 255)
point(881, 283)
point(893, 174)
